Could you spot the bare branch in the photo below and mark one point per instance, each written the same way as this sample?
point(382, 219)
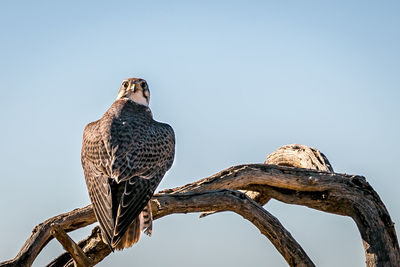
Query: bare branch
point(41, 234)
point(93, 246)
point(69, 245)
point(166, 204)
point(330, 192)
point(322, 190)
point(222, 200)
point(294, 155)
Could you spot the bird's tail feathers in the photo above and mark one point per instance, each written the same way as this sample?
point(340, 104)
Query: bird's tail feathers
point(147, 220)
point(132, 234)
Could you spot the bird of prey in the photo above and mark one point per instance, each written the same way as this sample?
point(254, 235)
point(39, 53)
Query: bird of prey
point(125, 154)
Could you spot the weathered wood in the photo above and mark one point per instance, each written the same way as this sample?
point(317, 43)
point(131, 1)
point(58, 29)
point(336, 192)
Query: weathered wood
point(341, 194)
point(359, 206)
point(93, 246)
point(41, 234)
point(300, 156)
point(293, 155)
point(227, 200)
point(69, 245)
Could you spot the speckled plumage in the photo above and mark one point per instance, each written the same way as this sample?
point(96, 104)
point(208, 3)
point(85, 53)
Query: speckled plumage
point(124, 156)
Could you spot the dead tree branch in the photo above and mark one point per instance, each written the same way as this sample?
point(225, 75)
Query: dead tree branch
point(93, 246)
point(69, 245)
point(319, 189)
point(41, 234)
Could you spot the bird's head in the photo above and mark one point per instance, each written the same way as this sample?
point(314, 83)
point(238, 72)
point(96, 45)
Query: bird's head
point(135, 89)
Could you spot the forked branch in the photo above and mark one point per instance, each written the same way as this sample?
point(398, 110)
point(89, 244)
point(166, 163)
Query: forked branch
point(319, 189)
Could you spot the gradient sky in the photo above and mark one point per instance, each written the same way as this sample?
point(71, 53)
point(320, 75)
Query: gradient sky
point(236, 80)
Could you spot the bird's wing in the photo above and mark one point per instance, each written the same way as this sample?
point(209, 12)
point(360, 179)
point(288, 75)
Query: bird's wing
point(154, 158)
point(94, 163)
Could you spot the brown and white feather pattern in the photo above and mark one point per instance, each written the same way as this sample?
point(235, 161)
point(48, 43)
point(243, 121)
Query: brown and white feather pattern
point(124, 156)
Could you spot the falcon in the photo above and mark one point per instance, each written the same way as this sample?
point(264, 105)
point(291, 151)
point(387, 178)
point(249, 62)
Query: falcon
point(125, 154)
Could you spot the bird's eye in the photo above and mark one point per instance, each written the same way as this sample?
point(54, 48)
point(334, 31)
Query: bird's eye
point(143, 85)
point(125, 84)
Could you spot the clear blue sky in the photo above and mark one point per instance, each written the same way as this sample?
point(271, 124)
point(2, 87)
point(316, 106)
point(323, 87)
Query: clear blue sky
point(235, 79)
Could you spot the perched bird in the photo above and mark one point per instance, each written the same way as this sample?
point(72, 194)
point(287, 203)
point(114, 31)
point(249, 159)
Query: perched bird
point(125, 154)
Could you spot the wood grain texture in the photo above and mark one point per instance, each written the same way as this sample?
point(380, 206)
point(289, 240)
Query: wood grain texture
point(93, 246)
point(321, 189)
point(300, 156)
point(79, 257)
